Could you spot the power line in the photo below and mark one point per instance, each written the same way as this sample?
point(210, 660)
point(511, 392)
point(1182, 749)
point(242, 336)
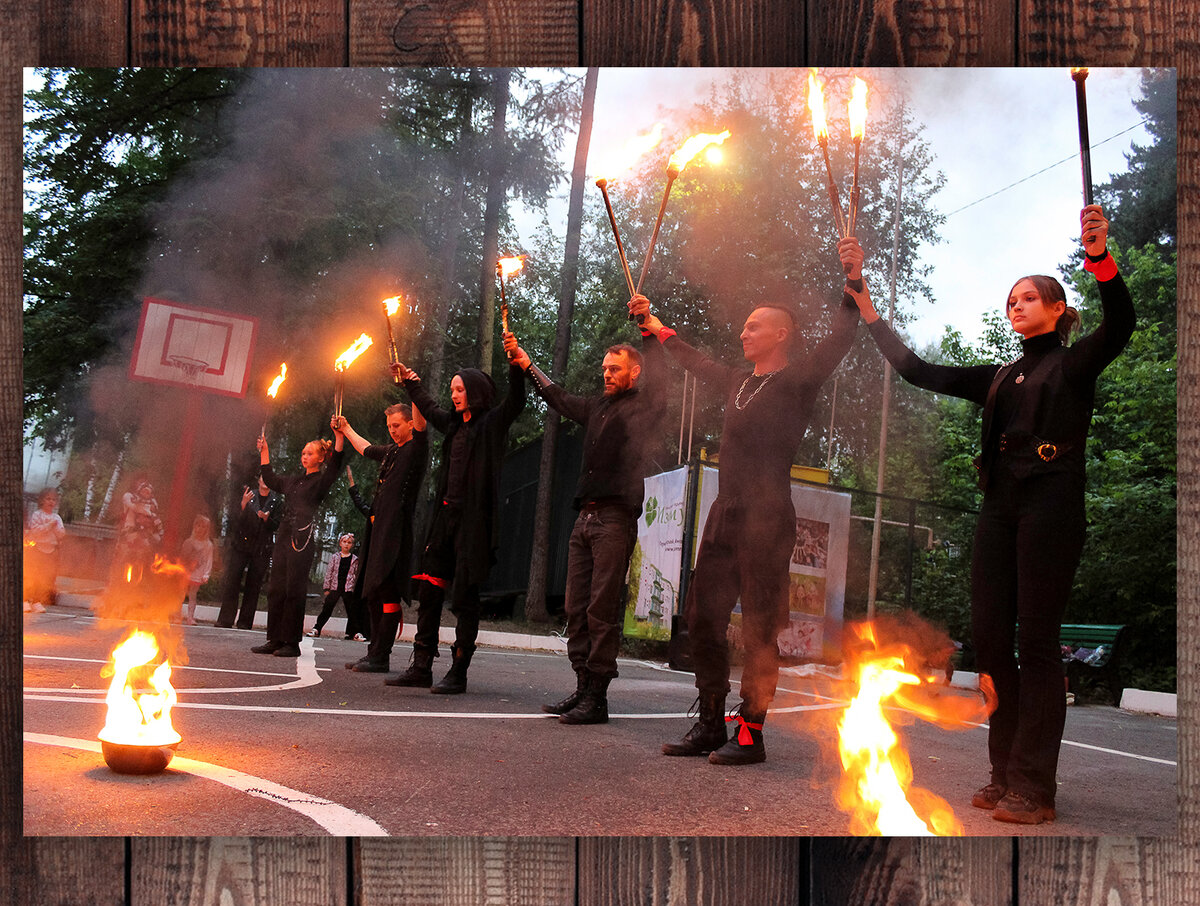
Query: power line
point(1045, 169)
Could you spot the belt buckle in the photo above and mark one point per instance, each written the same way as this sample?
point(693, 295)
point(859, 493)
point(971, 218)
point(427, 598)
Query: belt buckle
point(1047, 452)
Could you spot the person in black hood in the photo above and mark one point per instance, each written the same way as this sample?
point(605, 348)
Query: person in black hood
point(461, 541)
point(1037, 411)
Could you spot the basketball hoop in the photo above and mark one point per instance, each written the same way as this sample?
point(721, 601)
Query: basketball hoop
point(189, 367)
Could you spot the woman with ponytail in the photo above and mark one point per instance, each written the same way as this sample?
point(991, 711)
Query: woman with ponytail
point(1037, 411)
point(294, 549)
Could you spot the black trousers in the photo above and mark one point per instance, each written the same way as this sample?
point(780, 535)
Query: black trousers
point(1027, 547)
point(744, 552)
point(356, 620)
point(597, 561)
point(253, 568)
point(441, 566)
point(287, 589)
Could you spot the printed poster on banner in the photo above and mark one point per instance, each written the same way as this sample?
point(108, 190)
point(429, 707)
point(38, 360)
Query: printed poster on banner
point(656, 565)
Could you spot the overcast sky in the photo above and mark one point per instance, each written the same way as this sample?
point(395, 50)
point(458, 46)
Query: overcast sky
point(987, 129)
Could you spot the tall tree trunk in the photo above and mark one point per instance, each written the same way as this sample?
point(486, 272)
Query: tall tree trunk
point(535, 597)
point(497, 186)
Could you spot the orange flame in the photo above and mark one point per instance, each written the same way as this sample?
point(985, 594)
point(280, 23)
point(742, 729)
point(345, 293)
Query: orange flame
point(629, 154)
point(509, 266)
point(274, 388)
point(816, 106)
point(858, 109)
point(357, 348)
point(139, 717)
point(129, 573)
point(876, 784)
point(392, 305)
point(694, 146)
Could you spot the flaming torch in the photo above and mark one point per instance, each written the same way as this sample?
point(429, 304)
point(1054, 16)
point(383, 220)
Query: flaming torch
point(504, 268)
point(274, 389)
point(138, 737)
point(816, 106)
point(390, 307)
point(858, 127)
point(633, 149)
point(357, 348)
point(675, 165)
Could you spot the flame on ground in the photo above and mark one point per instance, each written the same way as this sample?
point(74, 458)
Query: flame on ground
point(694, 146)
point(140, 696)
point(876, 782)
point(357, 348)
point(274, 388)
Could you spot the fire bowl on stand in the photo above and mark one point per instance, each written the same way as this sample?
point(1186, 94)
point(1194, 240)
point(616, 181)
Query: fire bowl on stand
point(125, 758)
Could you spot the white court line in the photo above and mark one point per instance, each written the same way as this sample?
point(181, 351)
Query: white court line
point(337, 819)
point(1083, 745)
point(174, 667)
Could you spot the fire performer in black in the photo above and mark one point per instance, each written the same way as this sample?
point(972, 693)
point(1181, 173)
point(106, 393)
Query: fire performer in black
point(751, 528)
point(294, 548)
point(388, 541)
point(1036, 414)
point(251, 534)
point(620, 427)
point(461, 541)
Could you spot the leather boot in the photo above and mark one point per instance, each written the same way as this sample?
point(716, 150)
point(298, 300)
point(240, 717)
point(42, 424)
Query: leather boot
point(419, 672)
point(593, 703)
point(746, 746)
point(455, 680)
point(566, 704)
point(709, 731)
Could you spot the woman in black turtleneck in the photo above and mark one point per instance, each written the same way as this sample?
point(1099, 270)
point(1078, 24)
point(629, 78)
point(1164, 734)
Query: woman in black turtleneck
point(1036, 414)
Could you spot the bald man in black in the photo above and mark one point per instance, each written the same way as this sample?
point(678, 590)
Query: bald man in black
point(751, 528)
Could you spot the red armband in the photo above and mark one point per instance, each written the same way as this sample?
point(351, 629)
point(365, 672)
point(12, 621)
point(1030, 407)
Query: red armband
point(1103, 270)
point(665, 334)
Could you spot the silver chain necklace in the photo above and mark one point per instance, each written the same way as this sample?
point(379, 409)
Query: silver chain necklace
point(737, 400)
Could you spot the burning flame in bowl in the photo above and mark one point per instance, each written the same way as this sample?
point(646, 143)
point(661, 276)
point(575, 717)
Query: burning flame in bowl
point(876, 784)
point(357, 348)
point(138, 737)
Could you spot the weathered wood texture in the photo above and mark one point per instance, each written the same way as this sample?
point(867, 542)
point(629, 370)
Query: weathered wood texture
point(1113, 872)
point(238, 871)
point(245, 33)
point(83, 33)
point(692, 33)
point(867, 872)
point(1099, 32)
point(466, 871)
point(896, 33)
point(63, 871)
point(691, 871)
point(464, 33)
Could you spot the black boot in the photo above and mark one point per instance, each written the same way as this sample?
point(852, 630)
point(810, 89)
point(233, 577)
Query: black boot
point(419, 672)
point(593, 704)
point(455, 680)
point(709, 731)
point(562, 707)
point(746, 746)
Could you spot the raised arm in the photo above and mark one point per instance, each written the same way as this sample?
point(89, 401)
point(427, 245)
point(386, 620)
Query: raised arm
point(1093, 353)
point(704, 368)
point(357, 441)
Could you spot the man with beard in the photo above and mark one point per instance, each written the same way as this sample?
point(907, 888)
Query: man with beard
point(751, 527)
point(619, 428)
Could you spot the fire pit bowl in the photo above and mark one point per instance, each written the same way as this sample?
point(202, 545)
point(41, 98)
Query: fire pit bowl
point(124, 758)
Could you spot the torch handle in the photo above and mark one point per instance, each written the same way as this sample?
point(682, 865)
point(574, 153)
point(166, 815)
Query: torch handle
point(671, 174)
point(612, 219)
point(1085, 145)
point(834, 198)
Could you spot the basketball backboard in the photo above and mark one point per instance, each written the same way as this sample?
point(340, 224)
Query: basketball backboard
point(193, 347)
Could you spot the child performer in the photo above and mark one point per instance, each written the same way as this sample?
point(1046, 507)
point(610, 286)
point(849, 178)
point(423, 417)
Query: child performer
point(197, 556)
point(294, 550)
point(42, 536)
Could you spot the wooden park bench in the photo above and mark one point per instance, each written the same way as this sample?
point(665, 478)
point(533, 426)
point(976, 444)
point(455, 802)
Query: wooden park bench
point(1105, 642)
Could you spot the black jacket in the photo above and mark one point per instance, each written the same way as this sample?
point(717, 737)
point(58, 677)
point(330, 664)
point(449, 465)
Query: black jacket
point(487, 434)
point(388, 538)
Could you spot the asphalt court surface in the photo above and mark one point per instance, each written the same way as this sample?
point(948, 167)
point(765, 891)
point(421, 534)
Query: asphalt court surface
point(286, 746)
